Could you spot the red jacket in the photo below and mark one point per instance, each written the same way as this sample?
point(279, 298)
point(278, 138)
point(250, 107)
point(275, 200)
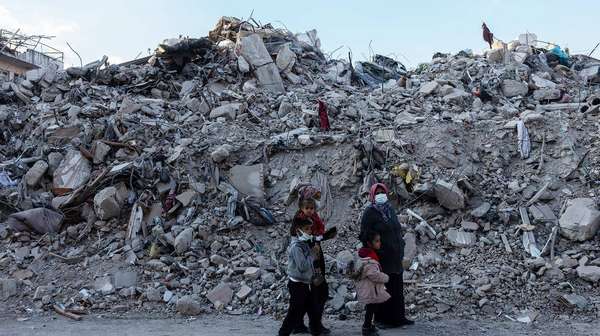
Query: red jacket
point(318, 227)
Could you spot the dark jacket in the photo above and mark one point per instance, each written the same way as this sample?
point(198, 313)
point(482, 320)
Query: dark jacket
point(392, 242)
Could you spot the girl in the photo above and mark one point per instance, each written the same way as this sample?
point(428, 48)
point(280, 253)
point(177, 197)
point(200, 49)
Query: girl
point(300, 272)
point(370, 287)
point(380, 217)
point(320, 289)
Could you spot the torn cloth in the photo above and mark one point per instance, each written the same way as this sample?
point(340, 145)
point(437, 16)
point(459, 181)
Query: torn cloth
point(487, 35)
point(323, 117)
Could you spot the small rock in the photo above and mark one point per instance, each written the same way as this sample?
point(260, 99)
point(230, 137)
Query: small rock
point(104, 285)
point(220, 295)
point(167, 296)
point(354, 306)
point(469, 226)
point(481, 210)
point(188, 306)
point(153, 294)
point(221, 153)
point(581, 219)
point(106, 205)
point(428, 88)
point(252, 273)
point(243, 292)
point(183, 241)
point(304, 139)
point(123, 279)
point(589, 273)
point(449, 195)
point(218, 260)
point(100, 152)
point(9, 288)
point(35, 173)
point(513, 88)
point(576, 300)
point(461, 238)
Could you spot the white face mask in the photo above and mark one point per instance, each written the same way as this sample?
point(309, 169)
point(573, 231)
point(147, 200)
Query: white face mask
point(381, 199)
point(303, 236)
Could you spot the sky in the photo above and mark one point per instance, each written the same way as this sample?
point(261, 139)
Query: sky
point(409, 31)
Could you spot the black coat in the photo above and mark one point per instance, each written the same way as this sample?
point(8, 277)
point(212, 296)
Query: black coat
point(392, 241)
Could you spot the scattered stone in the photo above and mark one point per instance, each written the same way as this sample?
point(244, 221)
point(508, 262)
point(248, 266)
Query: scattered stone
point(243, 292)
point(513, 88)
point(9, 288)
point(481, 210)
point(123, 279)
point(104, 285)
point(153, 295)
point(218, 260)
point(469, 226)
point(461, 238)
point(183, 241)
point(220, 295)
point(589, 273)
point(252, 273)
point(449, 195)
point(428, 88)
point(100, 152)
point(186, 305)
point(221, 153)
point(35, 173)
point(581, 219)
point(106, 205)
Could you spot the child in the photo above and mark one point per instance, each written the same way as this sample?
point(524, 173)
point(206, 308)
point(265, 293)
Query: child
point(300, 272)
point(370, 287)
point(320, 289)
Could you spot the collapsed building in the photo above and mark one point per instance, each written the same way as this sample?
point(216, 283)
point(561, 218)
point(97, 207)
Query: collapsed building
point(169, 182)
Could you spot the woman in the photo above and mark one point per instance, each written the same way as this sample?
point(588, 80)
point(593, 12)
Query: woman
point(381, 218)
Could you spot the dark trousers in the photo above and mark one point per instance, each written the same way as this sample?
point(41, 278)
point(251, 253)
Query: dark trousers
point(370, 311)
point(318, 296)
point(392, 311)
point(300, 303)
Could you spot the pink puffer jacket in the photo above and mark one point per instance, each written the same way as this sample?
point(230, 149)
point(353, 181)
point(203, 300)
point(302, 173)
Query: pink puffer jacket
point(371, 284)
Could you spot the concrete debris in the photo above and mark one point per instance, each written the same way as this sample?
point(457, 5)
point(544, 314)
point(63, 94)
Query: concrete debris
point(589, 273)
point(188, 306)
point(461, 238)
point(220, 296)
point(581, 219)
point(168, 182)
point(449, 195)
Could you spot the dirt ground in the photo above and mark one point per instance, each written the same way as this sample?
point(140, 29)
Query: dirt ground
point(254, 326)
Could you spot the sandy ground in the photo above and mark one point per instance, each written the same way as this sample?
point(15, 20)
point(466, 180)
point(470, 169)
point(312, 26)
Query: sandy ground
point(249, 326)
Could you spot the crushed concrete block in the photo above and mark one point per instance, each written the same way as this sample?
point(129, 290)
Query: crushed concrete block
point(183, 241)
point(457, 96)
point(469, 226)
point(538, 82)
point(513, 88)
point(221, 153)
point(35, 173)
point(252, 273)
point(575, 300)
point(220, 295)
point(228, 111)
point(481, 210)
point(243, 65)
point(410, 249)
point(123, 279)
point(9, 288)
point(243, 292)
point(54, 160)
point(100, 152)
point(589, 273)
point(495, 55)
point(546, 94)
point(461, 238)
point(104, 285)
point(429, 88)
point(254, 51)
point(73, 172)
point(153, 295)
point(106, 205)
point(249, 180)
point(581, 219)
point(188, 306)
point(449, 195)
point(218, 260)
point(286, 58)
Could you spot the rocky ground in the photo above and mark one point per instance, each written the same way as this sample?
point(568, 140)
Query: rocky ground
point(167, 184)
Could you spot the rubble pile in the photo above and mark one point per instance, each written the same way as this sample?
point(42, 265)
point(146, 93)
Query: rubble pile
point(168, 181)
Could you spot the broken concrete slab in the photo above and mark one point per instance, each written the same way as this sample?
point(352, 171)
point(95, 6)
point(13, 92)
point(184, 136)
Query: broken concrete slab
point(106, 205)
point(243, 292)
point(35, 173)
point(221, 153)
point(449, 195)
point(429, 88)
point(459, 238)
point(100, 152)
point(581, 219)
point(252, 273)
point(249, 180)
point(228, 111)
point(183, 241)
point(513, 88)
point(125, 279)
point(73, 172)
point(481, 210)
point(254, 51)
point(286, 58)
point(104, 285)
point(221, 295)
point(9, 288)
point(589, 273)
point(39, 220)
point(188, 306)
